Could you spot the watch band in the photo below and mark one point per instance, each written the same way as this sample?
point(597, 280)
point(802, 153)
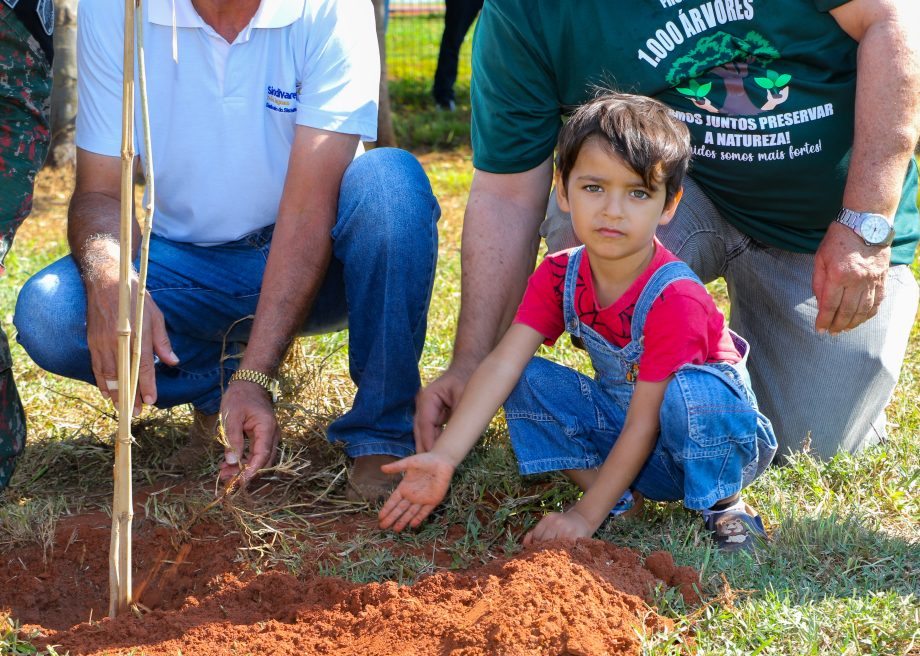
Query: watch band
point(269, 384)
point(849, 218)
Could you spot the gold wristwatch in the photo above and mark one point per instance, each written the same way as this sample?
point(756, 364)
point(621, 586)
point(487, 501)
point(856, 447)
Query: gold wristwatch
point(269, 384)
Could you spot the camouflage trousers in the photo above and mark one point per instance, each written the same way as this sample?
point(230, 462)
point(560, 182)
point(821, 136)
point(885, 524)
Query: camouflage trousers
point(25, 101)
point(12, 416)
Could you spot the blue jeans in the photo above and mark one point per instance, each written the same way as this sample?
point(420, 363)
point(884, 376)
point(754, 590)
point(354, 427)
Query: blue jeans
point(378, 285)
point(713, 441)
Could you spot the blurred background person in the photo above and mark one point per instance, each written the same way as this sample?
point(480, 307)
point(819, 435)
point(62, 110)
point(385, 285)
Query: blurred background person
point(458, 17)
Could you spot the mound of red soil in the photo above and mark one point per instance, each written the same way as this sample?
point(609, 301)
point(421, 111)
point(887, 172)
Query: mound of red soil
point(200, 598)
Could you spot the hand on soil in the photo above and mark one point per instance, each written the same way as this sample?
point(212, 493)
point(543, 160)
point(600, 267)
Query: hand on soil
point(424, 484)
point(566, 526)
point(246, 411)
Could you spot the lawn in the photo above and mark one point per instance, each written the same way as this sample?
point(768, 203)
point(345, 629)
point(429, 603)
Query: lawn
point(842, 575)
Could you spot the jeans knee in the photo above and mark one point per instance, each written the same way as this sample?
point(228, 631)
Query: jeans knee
point(384, 171)
point(386, 195)
point(521, 398)
point(708, 409)
point(31, 318)
point(41, 321)
point(528, 396)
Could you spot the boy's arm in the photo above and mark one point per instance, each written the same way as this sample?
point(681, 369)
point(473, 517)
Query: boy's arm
point(633, 447)
point(499, 244)
point(427, 475)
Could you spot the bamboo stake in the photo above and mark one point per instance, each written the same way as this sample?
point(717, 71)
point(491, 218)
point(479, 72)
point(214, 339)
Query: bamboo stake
point(147, 223)
point(122, 504)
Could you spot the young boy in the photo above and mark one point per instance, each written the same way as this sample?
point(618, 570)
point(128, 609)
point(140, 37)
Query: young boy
point(670, 414)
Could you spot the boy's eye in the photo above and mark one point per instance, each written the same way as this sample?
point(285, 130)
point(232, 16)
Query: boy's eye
point(640, 193)
point(592, 188)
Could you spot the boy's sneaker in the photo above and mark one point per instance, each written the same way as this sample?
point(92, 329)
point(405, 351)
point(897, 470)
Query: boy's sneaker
point(738, 528)
point(630, 504)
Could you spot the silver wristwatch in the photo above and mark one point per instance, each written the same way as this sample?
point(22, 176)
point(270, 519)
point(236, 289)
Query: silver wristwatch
point(875, 229)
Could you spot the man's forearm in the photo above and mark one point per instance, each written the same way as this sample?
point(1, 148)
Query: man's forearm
point(499, 247)
point(295, 270)
point(301, 244)
point(887, 108)
point(94, 216)
point(93, 232)
point(487, 389)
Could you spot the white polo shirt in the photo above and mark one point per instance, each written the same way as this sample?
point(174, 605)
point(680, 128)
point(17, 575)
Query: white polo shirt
point(222, 117)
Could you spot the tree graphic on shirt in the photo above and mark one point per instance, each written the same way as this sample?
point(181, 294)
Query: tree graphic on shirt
point(729, 57)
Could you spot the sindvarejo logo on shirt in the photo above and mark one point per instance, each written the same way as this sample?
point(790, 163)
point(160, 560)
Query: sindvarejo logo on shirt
point(280, 100)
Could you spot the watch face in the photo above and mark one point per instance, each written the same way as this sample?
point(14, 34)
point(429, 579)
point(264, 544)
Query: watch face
point(875, 229)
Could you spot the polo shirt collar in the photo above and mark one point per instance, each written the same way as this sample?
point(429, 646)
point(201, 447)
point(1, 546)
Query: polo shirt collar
point(278, 13)
point(271, 13)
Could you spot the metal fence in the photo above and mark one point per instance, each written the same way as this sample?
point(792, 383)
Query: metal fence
point(413, 37)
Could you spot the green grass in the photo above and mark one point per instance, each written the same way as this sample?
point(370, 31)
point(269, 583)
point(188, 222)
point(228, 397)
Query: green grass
point(842, 575)
point(15, 642)
point(412, 56)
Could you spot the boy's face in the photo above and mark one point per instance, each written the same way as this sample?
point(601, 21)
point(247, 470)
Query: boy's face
point(614, 213)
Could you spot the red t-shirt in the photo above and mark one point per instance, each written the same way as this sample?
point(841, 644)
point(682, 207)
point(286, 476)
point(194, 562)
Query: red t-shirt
point(683, 326)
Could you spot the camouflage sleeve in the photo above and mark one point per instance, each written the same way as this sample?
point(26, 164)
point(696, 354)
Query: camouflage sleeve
point(25, 102)
point(25, 97)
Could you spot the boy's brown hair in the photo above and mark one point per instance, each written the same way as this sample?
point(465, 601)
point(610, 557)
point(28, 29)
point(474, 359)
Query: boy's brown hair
point(639, 130)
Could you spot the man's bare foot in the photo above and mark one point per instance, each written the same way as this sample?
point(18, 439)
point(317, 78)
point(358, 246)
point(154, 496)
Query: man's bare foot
point(366, 483)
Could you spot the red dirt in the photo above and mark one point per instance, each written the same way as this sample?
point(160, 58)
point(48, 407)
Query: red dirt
point(201, 598)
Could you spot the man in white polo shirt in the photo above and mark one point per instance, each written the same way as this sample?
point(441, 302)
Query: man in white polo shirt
point(266, 224)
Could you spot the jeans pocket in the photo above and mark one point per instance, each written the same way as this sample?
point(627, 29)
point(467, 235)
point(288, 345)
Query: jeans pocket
point(720, 417)
point(260, 239)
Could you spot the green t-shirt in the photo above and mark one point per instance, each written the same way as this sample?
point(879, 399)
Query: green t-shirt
point(766, 88)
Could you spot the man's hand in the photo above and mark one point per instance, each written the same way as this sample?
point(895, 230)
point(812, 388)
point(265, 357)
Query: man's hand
point(424, 484)
point(848, 280)
point(102, 337)
point(92, 225)
point(433, 407)
point(566, 526)
point(298, 260)
point(246, 411)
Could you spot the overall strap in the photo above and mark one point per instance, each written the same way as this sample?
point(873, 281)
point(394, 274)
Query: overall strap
point(569, 313)
point(664, 276)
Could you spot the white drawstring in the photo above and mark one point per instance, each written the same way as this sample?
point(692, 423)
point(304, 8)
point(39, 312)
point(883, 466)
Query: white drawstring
point(175, 35)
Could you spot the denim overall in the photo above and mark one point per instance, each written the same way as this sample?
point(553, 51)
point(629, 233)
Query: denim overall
point(712, 440)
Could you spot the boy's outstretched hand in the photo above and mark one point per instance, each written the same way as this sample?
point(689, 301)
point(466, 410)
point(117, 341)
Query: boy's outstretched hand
point(426, 477)
point(565, 526)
